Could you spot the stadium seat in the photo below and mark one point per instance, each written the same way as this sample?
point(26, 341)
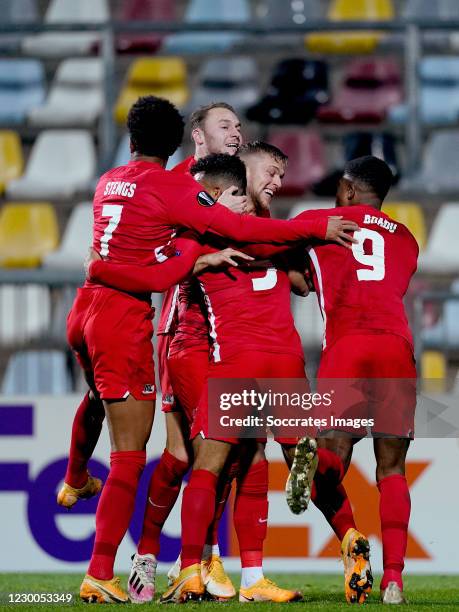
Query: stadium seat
point(27, 233)
point(62, 44)
point(37, 373)
point(275, 12)
point(164, 77)
point(21, 88)
point(76, 96)
point(235, 11)
point(308, 320)
point(25, 313)
point(75, 241)
point(306, 154)
point(437, 257)
point(444, 334)
point(433, 372)
point(61, 164)
point(297, 88)
point(143, 10)
point(19, 12)
point(379, 144)
point(369, 89)
point(411, 215)
point(439, 92)
point(232, 79)
point(11, 160)
point(426, 9)
point(351, 42)
point(440, 170)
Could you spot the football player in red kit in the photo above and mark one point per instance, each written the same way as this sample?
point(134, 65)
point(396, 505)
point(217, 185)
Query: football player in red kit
point(214, 129)
point(367, 337)
point(251, 535)
point(136, 210)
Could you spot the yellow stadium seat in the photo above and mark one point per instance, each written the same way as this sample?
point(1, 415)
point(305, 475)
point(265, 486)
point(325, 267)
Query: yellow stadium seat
point(411, 215)
point(351, 42)
point(11, 160)
point(433, 371)
point(164, 77)
point(161, 71)
point(28, 232)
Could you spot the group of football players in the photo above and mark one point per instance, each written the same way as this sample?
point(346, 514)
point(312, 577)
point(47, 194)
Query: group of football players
point(202, 233)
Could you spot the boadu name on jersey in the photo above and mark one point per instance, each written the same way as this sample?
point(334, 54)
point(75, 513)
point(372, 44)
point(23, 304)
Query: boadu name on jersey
point(384, 223)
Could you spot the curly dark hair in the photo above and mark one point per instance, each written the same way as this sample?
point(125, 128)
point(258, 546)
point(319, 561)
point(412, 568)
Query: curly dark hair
point(155, 127)
point(229, 168)
point(372, 172)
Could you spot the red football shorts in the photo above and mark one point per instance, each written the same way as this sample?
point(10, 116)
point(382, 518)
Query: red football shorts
point(377, 375)
point(248, 364)
point(111, 335)
point(168, 401)
point(188, 372)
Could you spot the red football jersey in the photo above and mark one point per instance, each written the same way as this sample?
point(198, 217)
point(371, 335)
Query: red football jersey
point(249, 310)
point(185, 314)
point(184, 166)
point(138, 206)
point(362, 290)
point(191, 331)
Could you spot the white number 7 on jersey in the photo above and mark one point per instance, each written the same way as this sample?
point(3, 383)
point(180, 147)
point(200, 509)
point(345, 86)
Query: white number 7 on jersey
point(114, 212)
point(375, 260)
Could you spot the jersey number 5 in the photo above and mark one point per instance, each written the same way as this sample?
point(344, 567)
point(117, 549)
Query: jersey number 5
point(375, 259)
point(268, 281)
point(114, 212)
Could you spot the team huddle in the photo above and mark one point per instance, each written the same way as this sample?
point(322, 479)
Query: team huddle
point(202, 234)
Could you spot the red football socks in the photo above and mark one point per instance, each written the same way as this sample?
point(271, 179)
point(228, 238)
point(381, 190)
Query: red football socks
point(329, 495)
point(251, 514)
point(86, 428)
point(198, 509)
point(163, 491)
point(394, 511)
point(115, 509)
point(223, 492)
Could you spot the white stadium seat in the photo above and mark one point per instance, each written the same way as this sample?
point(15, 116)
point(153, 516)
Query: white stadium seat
point(442, 252)
point(76, 97)
point(62, 163)
point(25, 313)
point(37, 373)
point(61, 44)
point(75, 241)
point(69, 106)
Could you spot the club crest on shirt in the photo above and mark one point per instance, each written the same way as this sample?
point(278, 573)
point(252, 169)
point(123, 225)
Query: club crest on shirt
point(205, 199)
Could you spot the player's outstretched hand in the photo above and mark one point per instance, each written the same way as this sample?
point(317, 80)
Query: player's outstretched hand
point(235, 203)
point(90, 257)
point(220, 259)
point(337, 229)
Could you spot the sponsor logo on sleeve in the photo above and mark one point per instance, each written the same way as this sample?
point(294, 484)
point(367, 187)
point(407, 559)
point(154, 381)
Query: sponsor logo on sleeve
point(205, 199)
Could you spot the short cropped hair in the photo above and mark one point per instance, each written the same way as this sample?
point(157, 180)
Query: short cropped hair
point(258, 146)
point(199, 115)
point(222, 166)
point(155, 127)
point(372, 172)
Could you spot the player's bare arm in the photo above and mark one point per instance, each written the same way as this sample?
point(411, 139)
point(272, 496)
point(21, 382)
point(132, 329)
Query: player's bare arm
point(220, 259)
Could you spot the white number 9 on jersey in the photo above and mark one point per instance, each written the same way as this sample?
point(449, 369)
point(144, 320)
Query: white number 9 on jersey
point(375, 260)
